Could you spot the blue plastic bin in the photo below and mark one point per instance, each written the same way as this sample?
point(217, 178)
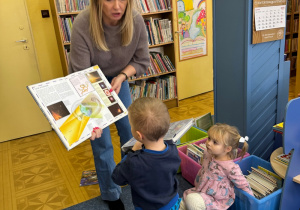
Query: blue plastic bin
point(244, 201)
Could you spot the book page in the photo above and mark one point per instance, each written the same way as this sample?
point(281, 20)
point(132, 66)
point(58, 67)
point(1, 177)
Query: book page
point(77, 103)
point(177, 129)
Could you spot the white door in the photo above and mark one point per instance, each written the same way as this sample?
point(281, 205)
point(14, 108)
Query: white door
point(19, 114)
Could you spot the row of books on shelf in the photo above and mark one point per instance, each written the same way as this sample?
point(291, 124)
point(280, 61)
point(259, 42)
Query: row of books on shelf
point(66, 24)
point(163, 87)
point(65, 6)
point(263, 182)
point(287, 46)
point(67, 54)
point(159, 64)
point(146, 6)
point(294, 44)
point(294, 27)
point(292, 4)
point(293, 62)
point(159, 30)
point(291, 45)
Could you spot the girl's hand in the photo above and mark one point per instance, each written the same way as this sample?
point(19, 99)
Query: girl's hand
point(96, 133)
point(116, 83)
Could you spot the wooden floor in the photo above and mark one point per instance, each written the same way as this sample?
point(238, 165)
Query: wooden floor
point(37, 172)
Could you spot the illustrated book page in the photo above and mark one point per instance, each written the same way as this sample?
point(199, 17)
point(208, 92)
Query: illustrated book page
point(77, 103)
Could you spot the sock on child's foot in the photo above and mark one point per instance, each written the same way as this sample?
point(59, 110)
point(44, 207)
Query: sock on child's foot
point(115, 205)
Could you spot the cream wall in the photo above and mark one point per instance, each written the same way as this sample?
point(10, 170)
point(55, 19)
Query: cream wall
point(44, 40)
point(195, 76)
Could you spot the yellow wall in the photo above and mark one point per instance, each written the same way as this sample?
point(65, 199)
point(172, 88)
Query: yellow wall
point(44, 40)
point(195, 76)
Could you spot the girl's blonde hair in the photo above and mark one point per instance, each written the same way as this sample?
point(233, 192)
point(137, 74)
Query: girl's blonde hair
point(230, 137)
point(96, 24)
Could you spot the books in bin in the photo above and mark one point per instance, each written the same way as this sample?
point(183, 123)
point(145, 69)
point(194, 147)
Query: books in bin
point(176, 131)
point(195, 152)
point(263, 182)
point(77, 103)
point(283, 158)
point(278, 128)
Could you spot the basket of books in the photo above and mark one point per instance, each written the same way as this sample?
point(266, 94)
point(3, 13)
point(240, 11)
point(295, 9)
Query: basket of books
point(191, 155)
point(192, 135)
point(265, 184)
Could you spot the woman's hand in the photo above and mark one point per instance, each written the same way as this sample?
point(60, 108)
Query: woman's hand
point(96, 133)
point(116, 83)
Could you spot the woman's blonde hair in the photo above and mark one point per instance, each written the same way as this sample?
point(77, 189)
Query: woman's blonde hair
point(96, 24)
point(230, 137)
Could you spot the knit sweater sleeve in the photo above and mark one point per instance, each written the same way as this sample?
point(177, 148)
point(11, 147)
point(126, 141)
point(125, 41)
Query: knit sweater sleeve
point(80, 53)
point(238, 179)
point(121, 173)
point(140, 60)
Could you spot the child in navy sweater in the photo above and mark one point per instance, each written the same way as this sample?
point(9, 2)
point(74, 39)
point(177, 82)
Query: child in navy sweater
point(150, 170)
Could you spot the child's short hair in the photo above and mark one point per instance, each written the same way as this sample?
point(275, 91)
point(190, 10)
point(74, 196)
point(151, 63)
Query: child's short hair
point(230, 137)
point(150, 116)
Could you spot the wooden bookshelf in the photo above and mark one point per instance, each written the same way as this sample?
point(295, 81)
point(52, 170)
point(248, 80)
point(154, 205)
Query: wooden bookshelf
point(153, 11)
point(62, 9)
point(291, 35)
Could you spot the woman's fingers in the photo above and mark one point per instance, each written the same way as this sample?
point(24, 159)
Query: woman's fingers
point(96, 133)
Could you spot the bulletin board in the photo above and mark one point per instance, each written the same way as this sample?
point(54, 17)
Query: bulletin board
point(269, 19)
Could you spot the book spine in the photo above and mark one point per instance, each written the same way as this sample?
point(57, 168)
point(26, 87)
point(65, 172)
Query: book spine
point(162, 62)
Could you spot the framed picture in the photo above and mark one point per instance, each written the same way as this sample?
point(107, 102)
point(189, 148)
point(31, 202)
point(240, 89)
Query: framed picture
point(192, 24)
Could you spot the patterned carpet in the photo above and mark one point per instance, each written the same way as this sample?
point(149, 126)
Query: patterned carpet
point(98, 204)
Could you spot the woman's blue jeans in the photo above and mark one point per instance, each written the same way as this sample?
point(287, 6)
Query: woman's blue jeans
point(104, 153)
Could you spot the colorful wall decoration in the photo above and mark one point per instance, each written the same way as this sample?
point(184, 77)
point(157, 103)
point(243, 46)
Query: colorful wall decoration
point(192, 28)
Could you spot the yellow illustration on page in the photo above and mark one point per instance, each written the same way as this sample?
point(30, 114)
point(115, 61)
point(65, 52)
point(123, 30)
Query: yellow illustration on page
point(73, 127)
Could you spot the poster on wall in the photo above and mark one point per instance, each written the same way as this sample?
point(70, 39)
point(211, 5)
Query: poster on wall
point(192, 25)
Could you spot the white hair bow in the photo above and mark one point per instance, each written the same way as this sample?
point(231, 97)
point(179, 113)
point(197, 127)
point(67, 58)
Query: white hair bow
point(242, 139)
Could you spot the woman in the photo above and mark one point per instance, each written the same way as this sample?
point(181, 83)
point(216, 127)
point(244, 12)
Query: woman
point(113, 36)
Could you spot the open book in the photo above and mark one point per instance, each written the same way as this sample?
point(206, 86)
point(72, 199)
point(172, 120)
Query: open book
point(176, 131)
point(204, 122)
point(77, 103)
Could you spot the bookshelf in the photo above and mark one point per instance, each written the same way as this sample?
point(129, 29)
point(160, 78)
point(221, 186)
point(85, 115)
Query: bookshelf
point(64, 13)
point(160, 13)
point(291, 36)
point(163, 44)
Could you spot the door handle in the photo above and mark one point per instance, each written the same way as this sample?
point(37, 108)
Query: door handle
point(22, 40)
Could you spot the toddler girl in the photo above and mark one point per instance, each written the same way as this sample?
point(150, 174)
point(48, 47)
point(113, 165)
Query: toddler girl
point(215, 181)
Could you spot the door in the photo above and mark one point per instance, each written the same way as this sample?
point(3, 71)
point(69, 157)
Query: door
point(19, 114)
